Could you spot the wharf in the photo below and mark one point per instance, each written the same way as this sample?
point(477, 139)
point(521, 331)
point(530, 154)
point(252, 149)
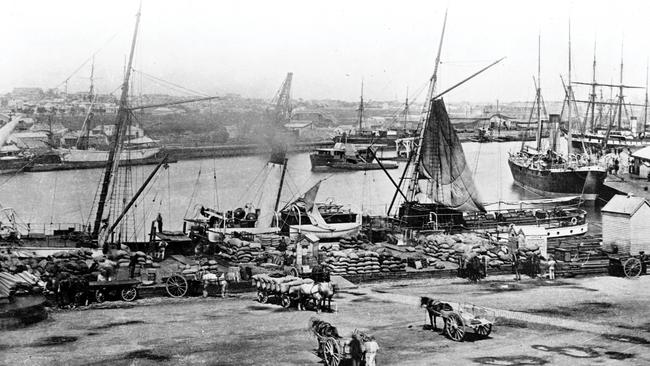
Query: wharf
point(220, 151)
point(626, 183)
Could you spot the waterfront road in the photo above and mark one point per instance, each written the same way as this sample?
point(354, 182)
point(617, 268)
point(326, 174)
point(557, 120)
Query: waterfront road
point(584, 321)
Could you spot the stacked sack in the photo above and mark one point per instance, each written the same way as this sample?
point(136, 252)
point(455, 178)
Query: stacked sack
point(448, 248)
point(352, 262)
point(391, 263)
point(353, 242)
point(269, 242)
point(209, 265)
point(328, 247)
point(285, 285)
point(237, 250)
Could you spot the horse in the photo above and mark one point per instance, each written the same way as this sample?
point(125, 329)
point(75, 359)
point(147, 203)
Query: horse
point(326, 291)
point(318, 292)
point(475, 269)
point(434, 307)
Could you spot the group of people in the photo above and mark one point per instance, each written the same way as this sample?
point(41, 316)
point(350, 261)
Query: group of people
point(363, 349)
point(531, 266)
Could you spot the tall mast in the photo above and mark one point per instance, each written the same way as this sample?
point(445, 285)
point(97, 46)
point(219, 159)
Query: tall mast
point(406, 108)
point(593, 92)
point(539, 92)
point(645, 106)
point(620, 93)
point(84, 138)
point(122, 113)
point(425, 113)
point(361, 109)
point(569, 100)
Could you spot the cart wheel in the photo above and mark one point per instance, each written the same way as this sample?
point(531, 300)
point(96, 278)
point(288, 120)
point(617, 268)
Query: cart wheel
point(455, 327)
point(176, 286)
point(100, 296)
point(632, 267)
point(129, 294)
point(286, 301)
point(294, 272)
point(484, 330)
point(263, 297)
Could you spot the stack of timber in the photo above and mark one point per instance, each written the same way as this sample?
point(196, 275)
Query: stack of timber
point(579, 255)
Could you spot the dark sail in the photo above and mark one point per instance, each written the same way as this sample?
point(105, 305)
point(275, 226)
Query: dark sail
point(449, 181)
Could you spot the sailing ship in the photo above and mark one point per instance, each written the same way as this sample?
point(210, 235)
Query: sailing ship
point(547, 172)
point(442, 195)
point(138, 151)
point(110, 227)
point(604, 127)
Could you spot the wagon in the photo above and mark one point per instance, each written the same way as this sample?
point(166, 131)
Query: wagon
point(179, 284)
point(461, 319)
point(267, 291)
point(126, 289)
point(627, 264)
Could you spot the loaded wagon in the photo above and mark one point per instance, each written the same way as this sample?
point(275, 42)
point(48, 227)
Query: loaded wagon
point(460, 319)
point(284, 289)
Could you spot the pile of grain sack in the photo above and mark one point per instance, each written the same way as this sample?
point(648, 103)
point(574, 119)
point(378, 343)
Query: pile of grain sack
point(353, 262)
point(238, 250)
point(448, 248)
point(286, 284)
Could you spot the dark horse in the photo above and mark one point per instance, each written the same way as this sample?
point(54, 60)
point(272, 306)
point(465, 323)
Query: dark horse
point(434, 307)
point(472, 269)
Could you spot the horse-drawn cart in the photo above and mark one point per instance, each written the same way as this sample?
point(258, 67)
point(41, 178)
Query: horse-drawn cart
point(627, 264)
point(290, 290)
point(126, 289)
point(459, 319)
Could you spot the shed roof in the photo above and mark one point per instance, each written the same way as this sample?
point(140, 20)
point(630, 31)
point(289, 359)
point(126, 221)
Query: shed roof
point(626, 205)
point(643, 153)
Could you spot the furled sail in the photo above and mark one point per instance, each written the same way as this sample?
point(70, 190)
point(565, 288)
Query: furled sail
point(443, 174)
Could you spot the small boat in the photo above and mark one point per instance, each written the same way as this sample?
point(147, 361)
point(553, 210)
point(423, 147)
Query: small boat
point(326, 220)
point(347, 157)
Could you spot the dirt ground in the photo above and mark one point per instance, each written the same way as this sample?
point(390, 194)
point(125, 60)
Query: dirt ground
point(586, 321)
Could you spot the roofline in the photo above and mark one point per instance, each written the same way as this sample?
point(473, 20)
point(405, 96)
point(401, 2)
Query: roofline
point(624, 213)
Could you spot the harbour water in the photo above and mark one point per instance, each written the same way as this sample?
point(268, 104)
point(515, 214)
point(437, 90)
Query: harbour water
point(227, 183)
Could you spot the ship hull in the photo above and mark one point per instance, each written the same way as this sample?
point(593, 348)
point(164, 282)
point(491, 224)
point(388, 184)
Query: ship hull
point(319, 163)
point(94, 164)
point(584, 182)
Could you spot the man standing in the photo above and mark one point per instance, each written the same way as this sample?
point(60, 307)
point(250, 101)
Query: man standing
point(371, 348)
point(159, 220)
point(643, 258)
point(515, 265)
point(551, 267)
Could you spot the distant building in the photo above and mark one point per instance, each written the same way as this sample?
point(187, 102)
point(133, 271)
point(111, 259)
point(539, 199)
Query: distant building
point(626, 225)
point(300, 128)
point(641, 163)
point(30, 140)
point(318, 118)
point(27, 93)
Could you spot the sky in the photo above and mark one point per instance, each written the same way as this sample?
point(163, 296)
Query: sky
point(247, 47)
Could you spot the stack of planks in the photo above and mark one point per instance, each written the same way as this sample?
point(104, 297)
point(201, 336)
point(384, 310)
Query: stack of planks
point(579, 255)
